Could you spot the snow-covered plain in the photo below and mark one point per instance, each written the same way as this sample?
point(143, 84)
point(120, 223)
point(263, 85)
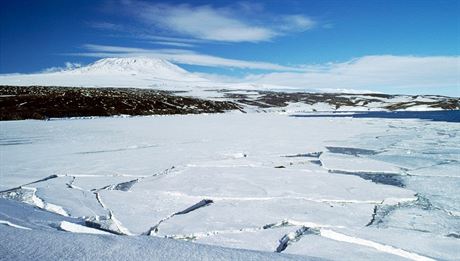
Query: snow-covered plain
point(333, 188)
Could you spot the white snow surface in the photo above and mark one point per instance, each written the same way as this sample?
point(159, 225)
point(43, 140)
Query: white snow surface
point(139, 72)
point(46, 241)
point(76, 228)
point(234, 186)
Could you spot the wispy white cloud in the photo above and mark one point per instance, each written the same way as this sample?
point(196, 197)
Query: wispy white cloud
point(107, 26)
point(113, 49)
point(67, 66)
point(241, 22)
point(295, 23)
point(145, 36)
point(176, 44)
point(380, 72)
point(180, 56)
point(202, 22)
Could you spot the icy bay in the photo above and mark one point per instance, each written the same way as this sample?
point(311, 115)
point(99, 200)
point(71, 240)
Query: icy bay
point(315, 187)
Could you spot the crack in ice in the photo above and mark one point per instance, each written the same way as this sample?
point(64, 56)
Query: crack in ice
point(28, 195)
point(295, 236)
point(7, 223)
point(119, 228)
point(221, 198)
point(283, 223)
point(203, 203)
point(30, 183)
point(326, 233)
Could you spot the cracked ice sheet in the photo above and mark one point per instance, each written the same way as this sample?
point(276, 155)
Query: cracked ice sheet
point(97, 182)
point(442, 191)
point(315, 245)
point(19, 244)
point(441, 170)
point(266, 159)
point(430, 152)
point(140, 211)
point(406, 160)
point(271, 183)
point(340, 162)
point(433, 221)
point(208, 137)
point(15, 245)
point(75, 202)
point(261, 240)
point(28, 195)
point(426, 244)
point(28, 216)
point(76, 228)
point(159, 197)
point(415, 146)
point(421, 155)
point(233, 215)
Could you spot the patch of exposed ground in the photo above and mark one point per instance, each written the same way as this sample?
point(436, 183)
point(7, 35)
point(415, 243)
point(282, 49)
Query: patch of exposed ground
point(38, 102)
point(270, 99)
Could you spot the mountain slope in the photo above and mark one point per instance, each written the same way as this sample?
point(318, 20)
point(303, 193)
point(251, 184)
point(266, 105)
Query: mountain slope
point(136, 65)
point(141, 72)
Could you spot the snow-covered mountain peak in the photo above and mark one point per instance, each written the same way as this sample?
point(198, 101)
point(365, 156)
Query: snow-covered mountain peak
point(139, 72)
point(133, 65)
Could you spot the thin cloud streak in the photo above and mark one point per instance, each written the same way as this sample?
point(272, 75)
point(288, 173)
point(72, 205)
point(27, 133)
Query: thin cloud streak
point(180, 56)
point(174, 44)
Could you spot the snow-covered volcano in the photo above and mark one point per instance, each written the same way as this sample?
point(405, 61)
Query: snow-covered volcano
point(143, 72)
point(136, 65)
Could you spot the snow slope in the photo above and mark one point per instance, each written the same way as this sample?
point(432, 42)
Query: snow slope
point(138, 65)
point(39, 238)
point(141, 72)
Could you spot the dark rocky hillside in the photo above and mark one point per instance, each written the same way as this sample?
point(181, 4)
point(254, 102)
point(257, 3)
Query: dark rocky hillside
point(272, 99)
point(37, 102)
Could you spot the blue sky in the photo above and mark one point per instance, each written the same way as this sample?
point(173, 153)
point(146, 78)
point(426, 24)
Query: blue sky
point(318, 43)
